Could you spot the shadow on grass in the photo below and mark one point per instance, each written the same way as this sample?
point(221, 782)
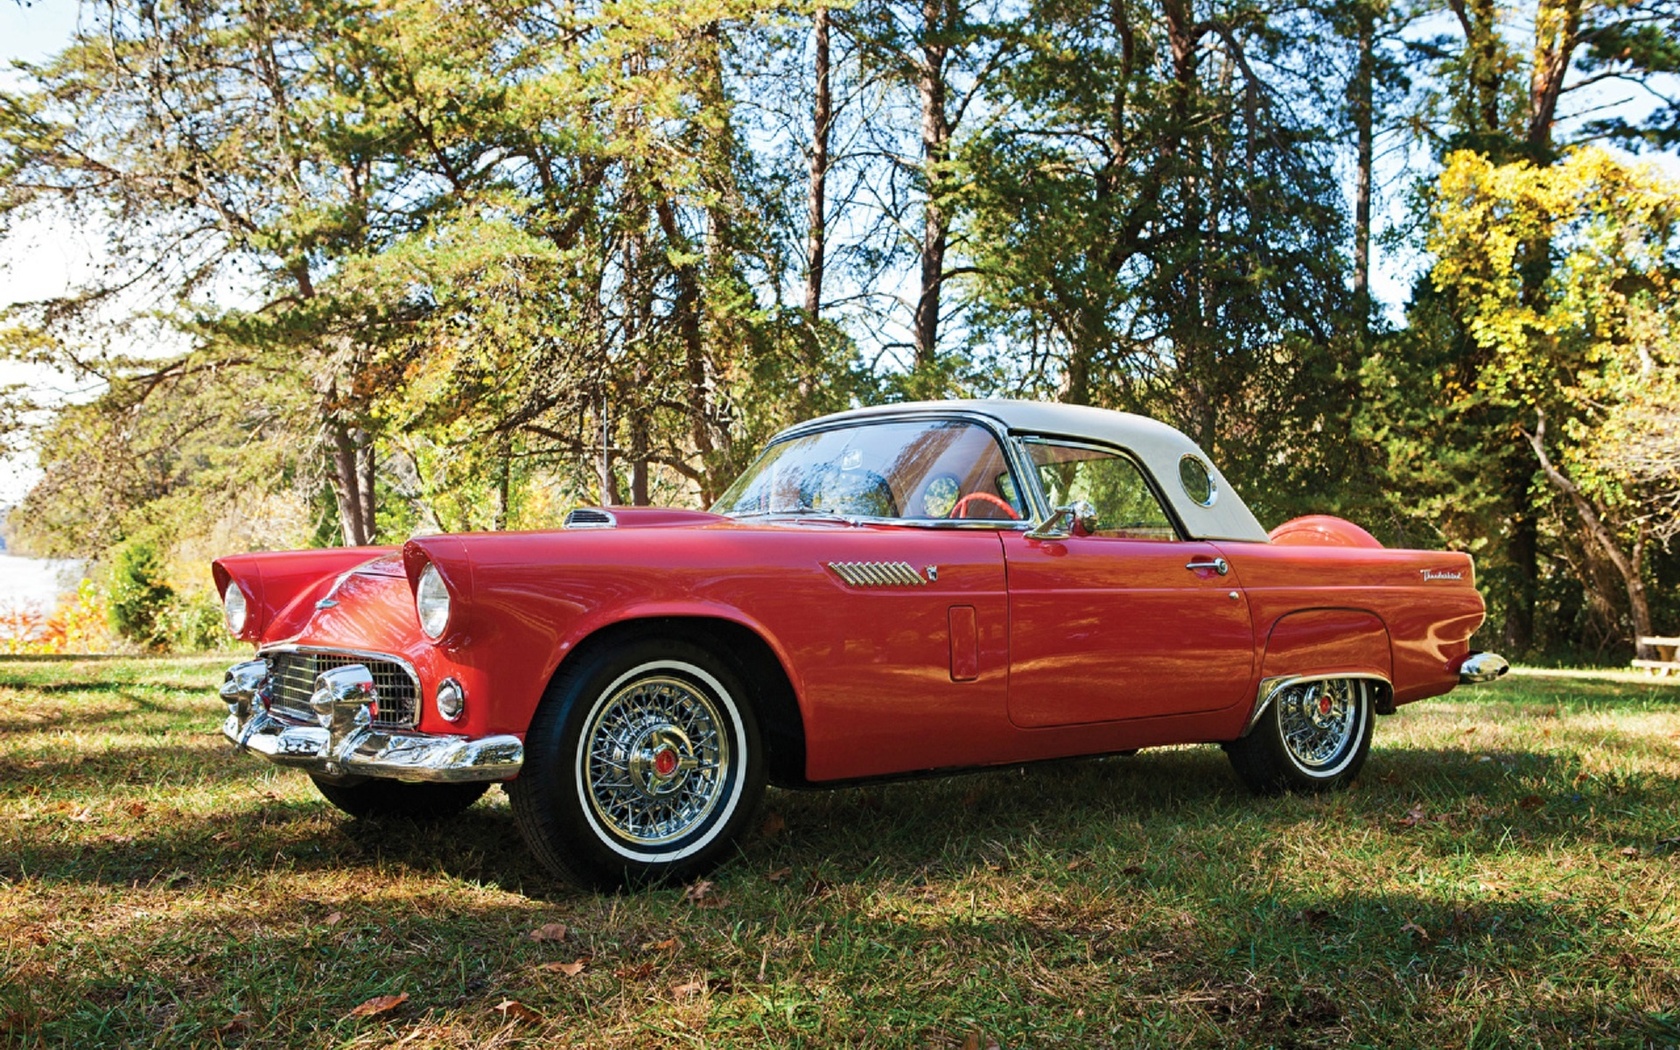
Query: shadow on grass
point(1448, 800)
point(78, 717)
point(1285, 968)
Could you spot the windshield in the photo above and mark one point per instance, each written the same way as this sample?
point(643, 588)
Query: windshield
point(922, 470)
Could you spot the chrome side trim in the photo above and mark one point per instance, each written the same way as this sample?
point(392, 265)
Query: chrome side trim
point(878, 573)
point(1482, 667)
point(590, 518)
point(1271, 687)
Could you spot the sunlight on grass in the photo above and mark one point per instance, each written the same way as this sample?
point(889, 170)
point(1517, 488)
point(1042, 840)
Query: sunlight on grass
point(1503, 874)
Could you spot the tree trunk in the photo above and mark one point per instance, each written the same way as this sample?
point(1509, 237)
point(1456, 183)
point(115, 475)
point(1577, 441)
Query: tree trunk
point(609, 481)
point(504, 482)
point(1557, 31)
point(346, 485)
point(370, 466)
point(936, 141)
point(639, 496)
point(689, 330)
point(816, 222)
point(1629, 565)
point(1363, 123)
point(1479, 19)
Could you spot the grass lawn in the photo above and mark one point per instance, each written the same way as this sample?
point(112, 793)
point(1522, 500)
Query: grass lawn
point(1504, 874)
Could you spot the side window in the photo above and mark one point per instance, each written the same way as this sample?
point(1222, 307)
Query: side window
point(1113, 484)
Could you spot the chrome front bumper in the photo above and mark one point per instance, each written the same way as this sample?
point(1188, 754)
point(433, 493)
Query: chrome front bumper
point(343, 742)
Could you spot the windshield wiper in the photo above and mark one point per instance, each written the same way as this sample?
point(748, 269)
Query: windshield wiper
point(798, 512)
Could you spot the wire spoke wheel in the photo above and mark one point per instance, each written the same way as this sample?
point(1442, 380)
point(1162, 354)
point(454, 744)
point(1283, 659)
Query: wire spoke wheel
point(1314, 735)
point(653, 759)
point(1318, 720)
point(642, 765)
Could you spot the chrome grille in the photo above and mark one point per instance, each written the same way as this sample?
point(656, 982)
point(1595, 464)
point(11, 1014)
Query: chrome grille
point(292, 682)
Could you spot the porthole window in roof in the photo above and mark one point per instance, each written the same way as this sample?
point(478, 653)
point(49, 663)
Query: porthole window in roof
point(1198, 483)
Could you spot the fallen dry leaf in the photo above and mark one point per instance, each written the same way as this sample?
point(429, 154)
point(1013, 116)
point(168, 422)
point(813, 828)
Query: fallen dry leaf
point(234, 1025)
point(334, 919)
point(85, 816)
point(691, 988)
point(554, 931)
point(773, 825)
point(1530, 802)
point(1412, 927)
point(136, 809)
point(514, 1010)
point(779, 875)
point(1413, 816)
point(571, 969)
point(379, 1005)
point(980, 1041)
point(1630, 851)
point(666, 945)
point(634, 973)
point(699, 891)
point(701, 895)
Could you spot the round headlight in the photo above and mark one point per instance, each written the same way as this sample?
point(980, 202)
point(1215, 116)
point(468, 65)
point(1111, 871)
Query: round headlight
point(431, 601)
point(234, 609)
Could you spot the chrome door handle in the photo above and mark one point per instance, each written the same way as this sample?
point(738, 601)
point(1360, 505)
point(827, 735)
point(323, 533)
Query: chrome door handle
point(1219, 565)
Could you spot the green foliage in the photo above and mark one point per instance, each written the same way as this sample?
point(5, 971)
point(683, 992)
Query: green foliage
point(377, 268)
point(1590, 354)
point(138, 593)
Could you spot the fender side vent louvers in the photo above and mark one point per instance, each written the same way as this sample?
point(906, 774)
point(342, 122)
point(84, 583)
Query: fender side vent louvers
point(877, 573)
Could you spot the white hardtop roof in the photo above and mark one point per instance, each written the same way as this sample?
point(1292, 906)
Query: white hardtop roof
point(1158, 446)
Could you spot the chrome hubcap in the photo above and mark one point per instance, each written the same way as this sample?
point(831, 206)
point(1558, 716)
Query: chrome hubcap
point(1318, 721)
point(655, 759)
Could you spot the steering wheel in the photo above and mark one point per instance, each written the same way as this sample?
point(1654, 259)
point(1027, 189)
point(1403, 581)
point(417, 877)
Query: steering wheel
point(984, 497)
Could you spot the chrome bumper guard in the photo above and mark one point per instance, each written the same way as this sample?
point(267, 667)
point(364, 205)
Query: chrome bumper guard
point(1482, 667)
point(343, 742)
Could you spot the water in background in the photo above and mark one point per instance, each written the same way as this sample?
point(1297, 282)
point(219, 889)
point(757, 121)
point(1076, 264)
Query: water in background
point(36, 584)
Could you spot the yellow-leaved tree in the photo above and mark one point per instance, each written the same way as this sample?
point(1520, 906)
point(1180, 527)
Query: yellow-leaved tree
point(1584, 358)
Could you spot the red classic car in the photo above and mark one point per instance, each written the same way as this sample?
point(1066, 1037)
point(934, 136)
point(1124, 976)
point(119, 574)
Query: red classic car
point(886, 591)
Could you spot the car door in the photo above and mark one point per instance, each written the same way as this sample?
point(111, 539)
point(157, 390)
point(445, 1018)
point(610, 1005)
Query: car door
point(1129, 621)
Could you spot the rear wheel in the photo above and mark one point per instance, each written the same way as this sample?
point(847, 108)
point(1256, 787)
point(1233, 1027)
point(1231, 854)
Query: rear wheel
point(642, 765)
point(379, 797)
point(1313, 736)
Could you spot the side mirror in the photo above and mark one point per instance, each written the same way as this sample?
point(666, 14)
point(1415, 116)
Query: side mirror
point(1078, 518)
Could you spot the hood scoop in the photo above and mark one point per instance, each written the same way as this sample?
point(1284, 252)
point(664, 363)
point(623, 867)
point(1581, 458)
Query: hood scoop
point(590, 518)
point(636, 517)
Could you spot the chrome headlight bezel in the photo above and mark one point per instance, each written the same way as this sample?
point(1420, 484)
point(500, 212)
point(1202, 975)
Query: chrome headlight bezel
point(236, 609)
point(431, 602)
point(451, 700)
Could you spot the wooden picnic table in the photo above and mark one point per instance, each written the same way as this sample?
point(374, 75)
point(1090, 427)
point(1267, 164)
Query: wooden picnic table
point(1666, 662)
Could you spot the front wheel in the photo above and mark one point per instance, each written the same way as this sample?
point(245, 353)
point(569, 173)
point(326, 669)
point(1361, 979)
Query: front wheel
point(642, 765)
point(1314, 736)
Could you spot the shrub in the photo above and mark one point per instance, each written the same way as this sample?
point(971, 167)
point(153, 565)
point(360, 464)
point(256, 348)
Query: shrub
point(139, 594)
point(192, 623)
